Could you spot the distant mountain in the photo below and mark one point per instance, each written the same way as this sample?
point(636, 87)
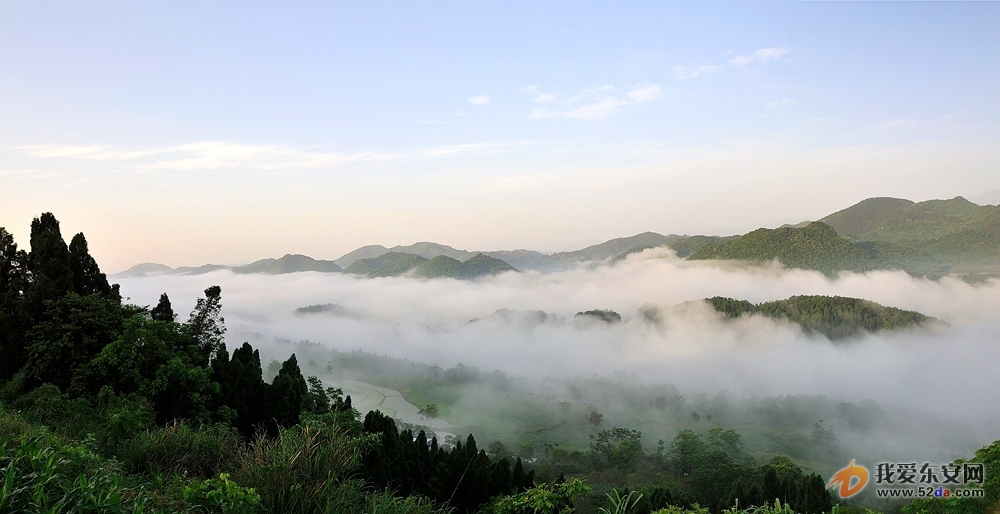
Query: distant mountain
point(390, 264)
point(931, 238)
point(288, 264)
point(987, 198)
point(688, 245)
point(365, 252)
point(146, 269)
point(430, 250)
point(526, 259)
point(198, 270)
point(835, 317)
point(816, 246)
point(615, 247)
point(476, 266)
point(894, 220)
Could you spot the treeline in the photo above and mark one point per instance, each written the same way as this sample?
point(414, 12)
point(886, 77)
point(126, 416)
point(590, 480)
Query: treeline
point(836, 317)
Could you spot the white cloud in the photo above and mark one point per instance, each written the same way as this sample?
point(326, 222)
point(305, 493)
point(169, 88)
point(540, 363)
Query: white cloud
point(763, 56)
point(596, 103)
point(779, 103)
point(901, 122)
point(210, 155)
point(644, 94)
point(538, 96)
point(480, 100)
point(685, 73)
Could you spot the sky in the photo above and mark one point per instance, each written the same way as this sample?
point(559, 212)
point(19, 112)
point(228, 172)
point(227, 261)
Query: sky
point(193, 132)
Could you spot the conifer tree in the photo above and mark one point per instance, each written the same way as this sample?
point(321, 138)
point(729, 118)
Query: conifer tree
point(48, 263)
point(207, 324)
point(287, 392)
point(87, 276)
point(13, 283)
point(163, 310)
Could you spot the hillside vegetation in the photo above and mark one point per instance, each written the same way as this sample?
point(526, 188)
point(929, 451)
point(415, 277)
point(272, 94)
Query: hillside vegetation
point(288, 264)
point(816, 246)
point(477, 266)
point(835, 317)
point(390, 264)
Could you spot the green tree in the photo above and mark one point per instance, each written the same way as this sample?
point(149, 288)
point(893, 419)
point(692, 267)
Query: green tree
point(75, 329)
point(150, 358)
point(49, 263)
point(87, 276)
point(430, 411)
point(163, 311)
point(207, 324)
point(687, 451)
point(618, 447)
point(287, 393)
point(13, 284)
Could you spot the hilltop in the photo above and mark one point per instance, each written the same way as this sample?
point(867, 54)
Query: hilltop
point(835, 317)
point(894, 220)
point(288, 264)
point(390, 264)
point(476, 266)
point(816, 246)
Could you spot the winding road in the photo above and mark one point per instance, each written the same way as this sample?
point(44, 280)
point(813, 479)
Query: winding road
point(367, 397)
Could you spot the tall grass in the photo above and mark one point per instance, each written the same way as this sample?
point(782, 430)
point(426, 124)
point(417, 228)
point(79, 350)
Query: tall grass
point(40, 477)
point(179, 448)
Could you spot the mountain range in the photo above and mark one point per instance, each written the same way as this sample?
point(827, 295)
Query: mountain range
point(930, 238)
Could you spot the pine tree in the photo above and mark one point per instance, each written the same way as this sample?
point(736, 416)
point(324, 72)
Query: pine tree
point(87, 276)
point(163, 311)
point(287, 392)
point(13, 283)
point(207, 324)
point(48, 264)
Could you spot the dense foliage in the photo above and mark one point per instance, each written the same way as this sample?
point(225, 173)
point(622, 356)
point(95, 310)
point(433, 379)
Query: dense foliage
point(815, 246)
point(836, 317)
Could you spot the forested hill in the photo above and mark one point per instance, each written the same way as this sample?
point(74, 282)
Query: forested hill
point(815, 246)
point(396, 264)
point(894, 220)
point(477, 266)
point(835, 317)
point(390, 264)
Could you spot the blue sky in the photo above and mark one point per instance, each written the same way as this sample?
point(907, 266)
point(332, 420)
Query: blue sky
point(192, 132)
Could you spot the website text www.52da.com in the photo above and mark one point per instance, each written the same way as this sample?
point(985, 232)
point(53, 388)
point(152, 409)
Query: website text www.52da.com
point(930, 492)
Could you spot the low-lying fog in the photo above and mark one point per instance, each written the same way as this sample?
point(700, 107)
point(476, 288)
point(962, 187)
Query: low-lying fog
point(949, 370)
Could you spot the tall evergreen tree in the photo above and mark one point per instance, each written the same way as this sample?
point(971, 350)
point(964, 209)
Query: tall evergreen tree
point(51, 276)
point(163, 310)
point(87, 276)
point(242, 387)
point(13, 283)
point(286, 393)
point(207, 324)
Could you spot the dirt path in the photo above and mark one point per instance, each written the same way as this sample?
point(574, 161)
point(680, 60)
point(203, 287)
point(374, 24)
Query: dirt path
point(368, 397)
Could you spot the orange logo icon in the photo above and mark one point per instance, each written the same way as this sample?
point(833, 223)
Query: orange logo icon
point(844, 477)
